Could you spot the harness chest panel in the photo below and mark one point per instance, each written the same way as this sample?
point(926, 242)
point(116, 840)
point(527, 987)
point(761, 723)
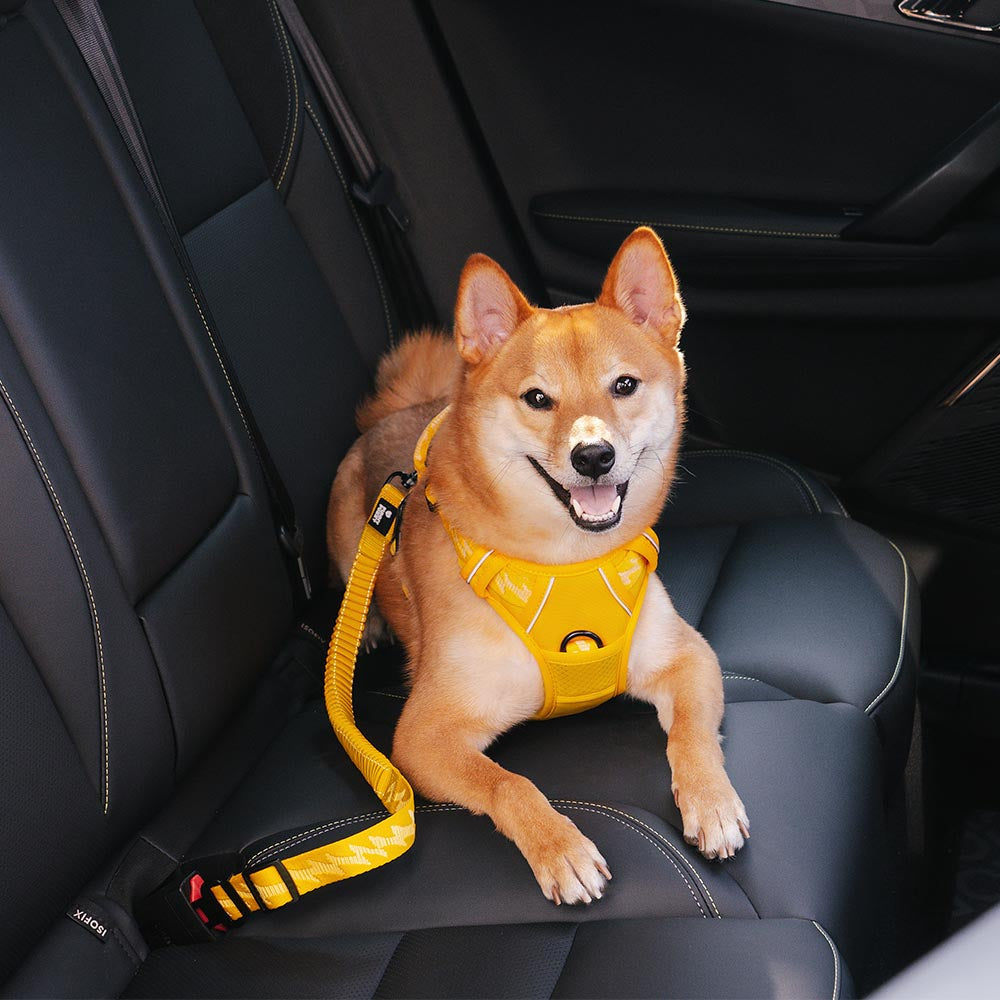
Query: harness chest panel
point(577, 619)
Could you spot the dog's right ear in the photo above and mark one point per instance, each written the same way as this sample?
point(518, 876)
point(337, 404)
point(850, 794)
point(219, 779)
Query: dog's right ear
point(489, 309)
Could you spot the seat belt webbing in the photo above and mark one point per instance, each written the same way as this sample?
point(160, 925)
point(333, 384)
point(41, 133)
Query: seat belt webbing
point(89, 29)
point(375, 185)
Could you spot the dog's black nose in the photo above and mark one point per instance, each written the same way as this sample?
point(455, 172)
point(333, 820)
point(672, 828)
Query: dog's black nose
point(593, 459)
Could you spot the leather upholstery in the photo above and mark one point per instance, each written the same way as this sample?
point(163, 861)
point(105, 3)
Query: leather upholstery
point(155, 701)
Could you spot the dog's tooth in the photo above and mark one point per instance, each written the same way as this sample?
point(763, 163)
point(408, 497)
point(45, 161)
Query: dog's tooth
point(577, 509)
point(616, 506)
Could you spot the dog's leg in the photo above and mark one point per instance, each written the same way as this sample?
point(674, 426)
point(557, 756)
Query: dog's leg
point(677, 671)
point(438, 746)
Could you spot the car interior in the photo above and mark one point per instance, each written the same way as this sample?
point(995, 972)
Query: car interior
point(218, 214)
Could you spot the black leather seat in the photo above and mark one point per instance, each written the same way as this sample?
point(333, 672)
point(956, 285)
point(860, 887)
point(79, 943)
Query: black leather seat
point(160, 699)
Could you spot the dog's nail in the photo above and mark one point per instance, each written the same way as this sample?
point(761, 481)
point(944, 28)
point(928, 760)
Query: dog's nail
point(744, 829)
point(555, 896)
point(603, 869)
point(701, 841)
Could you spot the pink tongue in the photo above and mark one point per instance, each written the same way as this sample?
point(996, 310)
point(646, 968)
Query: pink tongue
point(594, 499)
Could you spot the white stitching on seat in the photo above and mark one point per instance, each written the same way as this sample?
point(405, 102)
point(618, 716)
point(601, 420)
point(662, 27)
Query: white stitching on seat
point(603, 811)
point(836, 960)
point(357, 219)
point(673, 847)
point(92, 603)
point(902, 632)
point(695, 227)
point(741, 677)
point(767, 460)
point(280, 27)
point(288, 88)
point(598, 809)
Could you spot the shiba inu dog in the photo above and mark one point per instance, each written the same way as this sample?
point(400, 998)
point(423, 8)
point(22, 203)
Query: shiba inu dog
point(558, 447)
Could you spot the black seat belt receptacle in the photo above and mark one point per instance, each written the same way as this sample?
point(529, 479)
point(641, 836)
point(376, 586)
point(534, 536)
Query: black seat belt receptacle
point(89, 29)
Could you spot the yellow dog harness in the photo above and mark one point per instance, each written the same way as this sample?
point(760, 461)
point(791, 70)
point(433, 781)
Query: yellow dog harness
point(577, 619)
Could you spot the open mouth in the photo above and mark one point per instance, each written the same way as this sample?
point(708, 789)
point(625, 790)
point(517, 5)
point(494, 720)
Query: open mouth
point(593, 508)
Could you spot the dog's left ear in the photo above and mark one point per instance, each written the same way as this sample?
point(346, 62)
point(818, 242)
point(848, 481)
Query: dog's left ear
point(641, 284)
point(489, 309)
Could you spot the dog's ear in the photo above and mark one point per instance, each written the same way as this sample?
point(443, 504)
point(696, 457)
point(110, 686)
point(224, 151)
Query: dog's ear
point(641, 284)
point(489, 308)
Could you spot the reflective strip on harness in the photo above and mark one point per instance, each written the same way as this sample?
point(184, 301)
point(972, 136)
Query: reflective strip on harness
point(280, 881)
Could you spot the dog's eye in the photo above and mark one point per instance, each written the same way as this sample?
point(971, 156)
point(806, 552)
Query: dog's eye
point(625, 385)
point(537, 399)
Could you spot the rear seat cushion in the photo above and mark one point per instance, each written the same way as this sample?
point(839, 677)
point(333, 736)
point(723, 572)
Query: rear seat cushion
point(607, 770)
point(633, 958)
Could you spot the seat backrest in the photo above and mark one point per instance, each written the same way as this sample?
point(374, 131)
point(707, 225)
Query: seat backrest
point(142, 590)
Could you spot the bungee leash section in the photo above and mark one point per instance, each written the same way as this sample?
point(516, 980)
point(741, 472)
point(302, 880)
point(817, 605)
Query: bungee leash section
point(281, 881)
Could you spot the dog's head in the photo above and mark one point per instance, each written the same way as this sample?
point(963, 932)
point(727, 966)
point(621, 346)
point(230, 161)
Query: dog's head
point(570, 418)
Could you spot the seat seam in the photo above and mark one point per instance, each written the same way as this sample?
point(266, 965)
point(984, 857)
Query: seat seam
point(599, 811)
point(741, 677)
point(836, 960)
point(225, 371)
point(376, 269)
point(280, 28)
point(267, 852)
point(902, 631)
point(800, 481)
point(288, 87)
point(691, 226)
point(385, 968)
point(569, 951)
point(91, 600)
point(673, 847)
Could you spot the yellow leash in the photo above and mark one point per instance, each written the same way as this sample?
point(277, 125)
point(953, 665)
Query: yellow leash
point(282, 881)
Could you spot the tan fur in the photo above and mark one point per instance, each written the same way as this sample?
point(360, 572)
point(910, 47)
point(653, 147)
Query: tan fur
point(472, 678)
point(421, 368)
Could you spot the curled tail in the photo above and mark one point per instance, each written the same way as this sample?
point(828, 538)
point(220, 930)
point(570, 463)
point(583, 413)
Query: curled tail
point(422, 368)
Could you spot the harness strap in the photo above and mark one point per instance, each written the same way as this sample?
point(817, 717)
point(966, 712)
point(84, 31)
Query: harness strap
point(283, 879)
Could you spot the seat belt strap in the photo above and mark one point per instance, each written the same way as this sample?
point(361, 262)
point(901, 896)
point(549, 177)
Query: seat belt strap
point(375, 185)
point(86, 23)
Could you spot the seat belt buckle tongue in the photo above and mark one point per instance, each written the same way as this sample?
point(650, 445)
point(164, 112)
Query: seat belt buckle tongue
point(182, 911)
point(294, 543)
point(381, 190)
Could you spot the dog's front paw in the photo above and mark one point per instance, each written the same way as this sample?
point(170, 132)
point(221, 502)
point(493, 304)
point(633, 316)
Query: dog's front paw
point(715, 820)
point(568, 866)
